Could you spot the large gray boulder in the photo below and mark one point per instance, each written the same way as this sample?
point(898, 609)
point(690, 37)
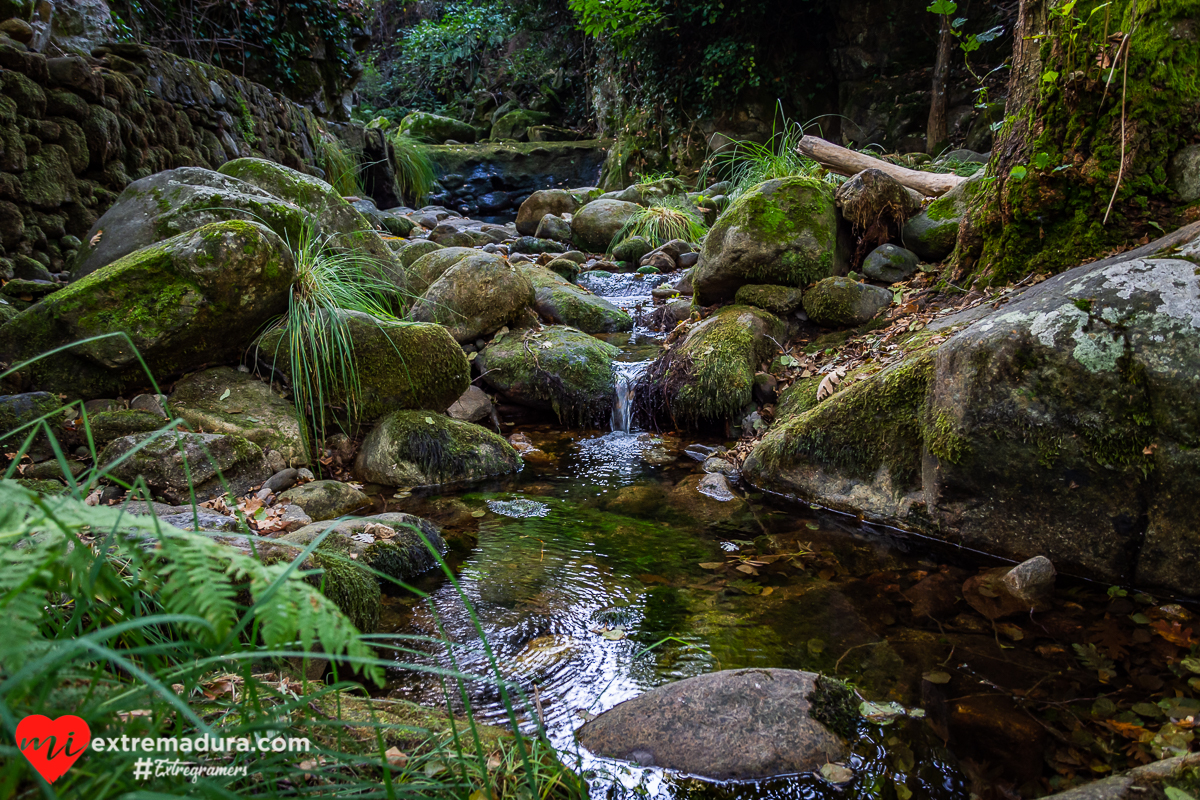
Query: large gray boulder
point(730, 725)
point(595, 225)
point(1062, 424)
point(563, 303)
point(475, 297)
point(414, 448)
point(557, 369)
point(198, 298)
point(782, 232)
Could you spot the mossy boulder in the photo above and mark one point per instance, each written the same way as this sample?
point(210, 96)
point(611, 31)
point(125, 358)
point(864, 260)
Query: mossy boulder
point(341, 225)
point(844, 303)
point(475, 297)
point(779, 300)
point(543, 202)
point(435, 129)
point(388, 543)
point(414, 448)
point(554, 229)
point(632, 249)
point(708, 378)
point(565, 268)
point(322, 500)
point(1062, 424)
point(105, 426)
point(168, 203)
point(197, 298)
point(399, 365)
point(415, 249)
point(344, 582)
point(595, 225)
point(558, 368)
point(782, 232)
point(223, 400)
point(426, 269)
point(176, 465)
point(19, 410)
point(889, 264)
point(516, 124)
point(933, 233)
point(563, 303)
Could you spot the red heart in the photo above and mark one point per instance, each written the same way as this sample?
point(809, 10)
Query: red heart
point(52, 745)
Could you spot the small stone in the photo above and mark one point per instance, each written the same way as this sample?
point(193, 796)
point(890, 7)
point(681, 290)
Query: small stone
point(1031, 581)
point(841, 302)
point(686, 260)
point(264, 495)
point(293, 518)
point(473, 406)
point(305, 474)
point(720, 465)
point(765, 388)
point(660, 260)
point(152, 403)
point(282, 480)
point(889, 263)
point(324, 500)
point(716, 486)
point(658, 456)
point(699, 452)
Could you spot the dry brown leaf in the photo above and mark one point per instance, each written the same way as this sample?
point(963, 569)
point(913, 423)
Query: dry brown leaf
point(95, 240)
point(829, 384)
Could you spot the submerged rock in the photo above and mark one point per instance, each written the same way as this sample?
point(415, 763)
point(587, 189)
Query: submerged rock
point(223, 400)
point(780, 232)
point(475, 297)
point(844, 303)
point(414, 448)
point(729, 725)
point(709, 377)
point(1062, 424)
point(195, 299)
point(564, 303)
point(559, 369)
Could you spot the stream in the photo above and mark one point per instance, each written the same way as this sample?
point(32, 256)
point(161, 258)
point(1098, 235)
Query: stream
point(595, 575)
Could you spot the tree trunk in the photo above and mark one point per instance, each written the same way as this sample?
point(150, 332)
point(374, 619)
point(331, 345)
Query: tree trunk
point(936, 136)
point(1067, 135)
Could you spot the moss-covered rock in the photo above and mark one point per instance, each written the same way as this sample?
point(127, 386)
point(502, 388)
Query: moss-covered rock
point(842, 302)
point(435, 129)
point(543, 202)
point(889, 263)
point(596, 225)
point(780, 232)
point(105, 426)
point(413, 448)
point(195, 299)
point(632, 249)
point(389, 543)
point(175, 464)
point(516, 124)
point(558, 368)
point(563, 303)
point(779, 300)
point(475, 297)
point(322, 500)
point(415, 249)
point(933, 233)
point(345, 228)
point(399, 365)
point(426, 269)
point(175, 201)
point(223, 400)
point(1062, 424)
point(565, 268)
point(708, 378)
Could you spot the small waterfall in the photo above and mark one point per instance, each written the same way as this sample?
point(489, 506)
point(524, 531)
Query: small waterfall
point(625, 375)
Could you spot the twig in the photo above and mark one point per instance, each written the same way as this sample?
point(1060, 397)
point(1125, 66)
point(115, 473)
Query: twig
point(1124, 81)
point(838, 663)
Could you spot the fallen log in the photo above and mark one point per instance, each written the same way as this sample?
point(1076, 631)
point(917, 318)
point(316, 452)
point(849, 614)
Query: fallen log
point(847, 162)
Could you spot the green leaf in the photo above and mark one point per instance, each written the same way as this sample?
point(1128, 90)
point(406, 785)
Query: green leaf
point(1175, 793)
point(943, 7)
point(1049, 76)
point(1018, 173)
point(1191, 664)
point(224, 395)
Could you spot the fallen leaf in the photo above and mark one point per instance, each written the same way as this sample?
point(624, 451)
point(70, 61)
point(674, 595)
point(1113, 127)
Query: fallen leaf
point(937, 676)
point(712, 565)
point(224, 394)
point(95, 240)
point(837, 773)
point(395, 757)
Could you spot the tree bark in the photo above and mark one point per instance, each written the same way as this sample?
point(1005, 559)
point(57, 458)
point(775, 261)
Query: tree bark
point(848, 162)
point(936, 136)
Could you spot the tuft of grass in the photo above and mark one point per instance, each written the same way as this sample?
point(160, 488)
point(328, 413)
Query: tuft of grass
point(746, 164)
point(670, 218)
point(414, 169)
point(341, 167)
point(319, 347)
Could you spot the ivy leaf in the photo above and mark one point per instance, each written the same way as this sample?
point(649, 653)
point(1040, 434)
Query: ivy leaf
point(1018, 173)
point(944, 7)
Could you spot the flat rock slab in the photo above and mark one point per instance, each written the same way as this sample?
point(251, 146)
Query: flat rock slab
point(729, 725)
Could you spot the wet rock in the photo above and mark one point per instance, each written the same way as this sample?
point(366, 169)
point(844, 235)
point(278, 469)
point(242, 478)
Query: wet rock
point(565, 268)
point(1003, 592)
point(282, 480)
point(223, 400)
point(399, 365)
point(709, 376)
point(559, 369)
point(714, 464)
point(727, 725)
point(195, 299)
point(475, 297)
point(555, 228)
point(658, 456)
point(543, 202)
point(596, 225)
point(686, 260)
point(424, 270)
point(172, 463)
point(326, 499)
point(781, 232)
point(889, 264)
point(535, 246)
point(1137, 783)
point(716, 486)
point(779, 300)
point(473, 406)
point(844, 303)
point(699, 452)
point(184, 517)
point(658, 261)
point(389, 543)
point(1056, 425)
point(632, 249)
point(562, 303)
point(414, 448)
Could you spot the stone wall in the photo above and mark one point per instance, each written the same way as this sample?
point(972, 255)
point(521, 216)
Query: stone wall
point(75, 130)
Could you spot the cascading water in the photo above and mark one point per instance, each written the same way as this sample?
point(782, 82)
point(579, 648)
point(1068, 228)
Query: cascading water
point(625, 376)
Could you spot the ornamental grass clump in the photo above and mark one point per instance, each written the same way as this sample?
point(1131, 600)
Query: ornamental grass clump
point(669, 218)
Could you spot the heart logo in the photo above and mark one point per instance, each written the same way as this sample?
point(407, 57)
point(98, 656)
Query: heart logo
point(52, 745)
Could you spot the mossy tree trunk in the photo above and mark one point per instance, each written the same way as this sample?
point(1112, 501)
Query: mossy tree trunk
point(1098, 92)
